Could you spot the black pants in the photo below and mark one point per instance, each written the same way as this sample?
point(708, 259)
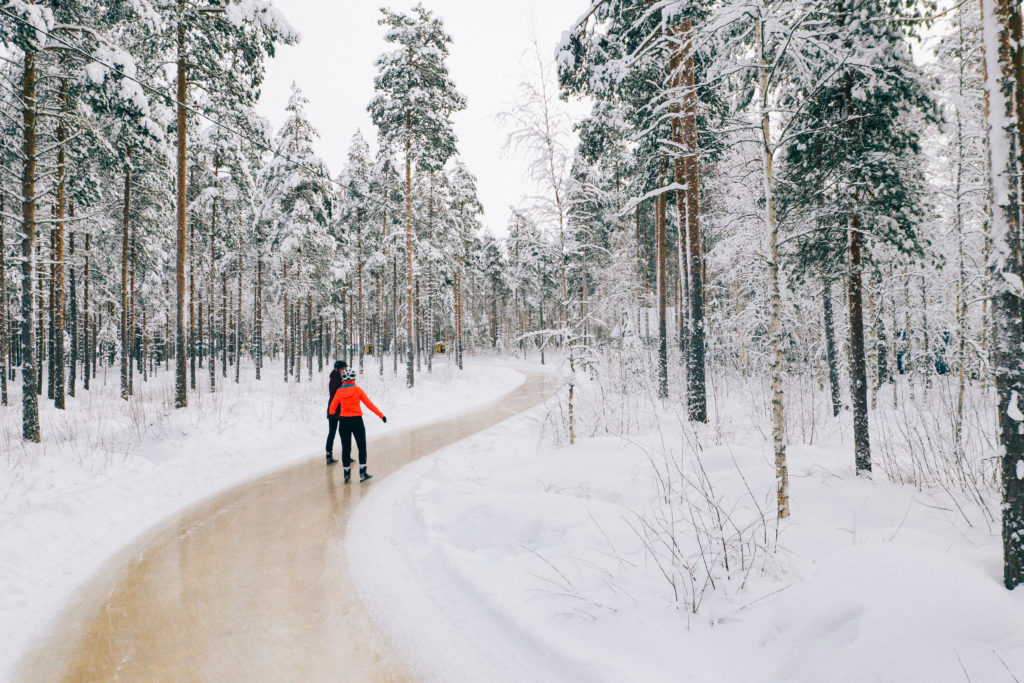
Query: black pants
point(347, 427)
point(333, 427)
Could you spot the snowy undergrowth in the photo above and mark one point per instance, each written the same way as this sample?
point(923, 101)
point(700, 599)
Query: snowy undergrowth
point(649, 550)
point(108, 469)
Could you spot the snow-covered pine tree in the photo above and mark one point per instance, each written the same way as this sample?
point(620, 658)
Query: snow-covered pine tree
point(493, 264)
point(301, 220)
point(135, 140)
point(26, 33)
point(412, 111)
point(355, 209)
point(224, 196)
point(467, 208)
point(222, 46)
point(650, 57)
point(854, 161)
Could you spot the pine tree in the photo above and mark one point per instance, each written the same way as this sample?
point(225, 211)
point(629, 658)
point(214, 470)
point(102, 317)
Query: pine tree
point(412, 111)
point(227, 45)
point(466, 207)
point(356, 210)
point(300, 224)
point(854, 162)
point(652, 60)
point(28, 35)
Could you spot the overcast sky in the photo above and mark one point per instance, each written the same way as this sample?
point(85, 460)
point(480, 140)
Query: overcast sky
point(333, 64)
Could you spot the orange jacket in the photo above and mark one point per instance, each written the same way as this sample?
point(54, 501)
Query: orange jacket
point(346, 402)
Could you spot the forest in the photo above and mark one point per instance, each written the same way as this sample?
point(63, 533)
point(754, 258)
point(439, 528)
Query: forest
point(817, 201)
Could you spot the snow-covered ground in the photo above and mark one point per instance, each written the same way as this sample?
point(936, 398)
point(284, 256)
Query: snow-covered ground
point(534, 560)
point(623, 557)
point(108, 470)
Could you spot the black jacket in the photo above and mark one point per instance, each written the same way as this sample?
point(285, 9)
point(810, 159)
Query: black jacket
point(334, 386)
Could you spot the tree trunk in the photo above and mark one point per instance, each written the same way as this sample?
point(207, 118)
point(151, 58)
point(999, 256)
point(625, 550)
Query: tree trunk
point(494, 318)
point(458, 313)
point(830, 348)
point(684, 289)
point(195, 325)
point(858, 365)
point(95, 344)
point(1004, 61)
point(224, 324)
point(133, 325)
point(49, 308)
point(417, 325)
point(125, 222)
point(238, 319)
point(430, 279)
point(258, 316)
point(349, 332)
point(286, 318)
point(882, 338)
point(661, 244)
point(4, 331)
point(87, 359)
point(72, 307)
point(296, 362)
point(143, 349)
point(40, 318)
point(688, 175)
point(29, 372)
point(180, 387)
point(540, 308)
point(309, 334)
point(58, 270)
point(166, 350)
point(908, 338)
point(774, 275)
point(359, 274)
point(320, 341)
point(927, 362)
point(410, 375)
point(199, 335)
point(212, 312)
point(394, 311)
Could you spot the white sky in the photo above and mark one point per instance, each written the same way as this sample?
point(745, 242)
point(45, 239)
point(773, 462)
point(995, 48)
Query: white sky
point(333, 64)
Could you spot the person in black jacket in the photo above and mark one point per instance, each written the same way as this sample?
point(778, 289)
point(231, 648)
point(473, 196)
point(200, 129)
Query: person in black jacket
point(334, 385)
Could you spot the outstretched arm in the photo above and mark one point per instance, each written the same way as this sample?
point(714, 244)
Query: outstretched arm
point(369, 404)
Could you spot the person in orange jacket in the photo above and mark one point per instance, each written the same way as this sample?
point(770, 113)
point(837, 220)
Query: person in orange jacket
point(346, 415)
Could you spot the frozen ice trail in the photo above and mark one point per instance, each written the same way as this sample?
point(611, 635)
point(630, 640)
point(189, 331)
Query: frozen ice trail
point(251, 585)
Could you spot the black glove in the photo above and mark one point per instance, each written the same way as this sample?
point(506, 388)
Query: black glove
point(384, 419)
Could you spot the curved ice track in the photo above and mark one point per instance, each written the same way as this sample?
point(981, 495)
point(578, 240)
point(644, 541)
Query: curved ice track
point(251, 585)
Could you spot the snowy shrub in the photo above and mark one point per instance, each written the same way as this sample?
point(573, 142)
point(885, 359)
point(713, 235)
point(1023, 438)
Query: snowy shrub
point(612, 394)
point(706, 526)
point(703, 533)
point(922, 442)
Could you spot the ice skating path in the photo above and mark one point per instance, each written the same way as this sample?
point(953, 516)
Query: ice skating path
point(252, 585)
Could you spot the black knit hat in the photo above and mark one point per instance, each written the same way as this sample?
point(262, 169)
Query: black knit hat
point(339, 364)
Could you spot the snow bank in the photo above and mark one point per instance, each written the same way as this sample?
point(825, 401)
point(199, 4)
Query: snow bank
point(108, 470)
point(528, 559)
